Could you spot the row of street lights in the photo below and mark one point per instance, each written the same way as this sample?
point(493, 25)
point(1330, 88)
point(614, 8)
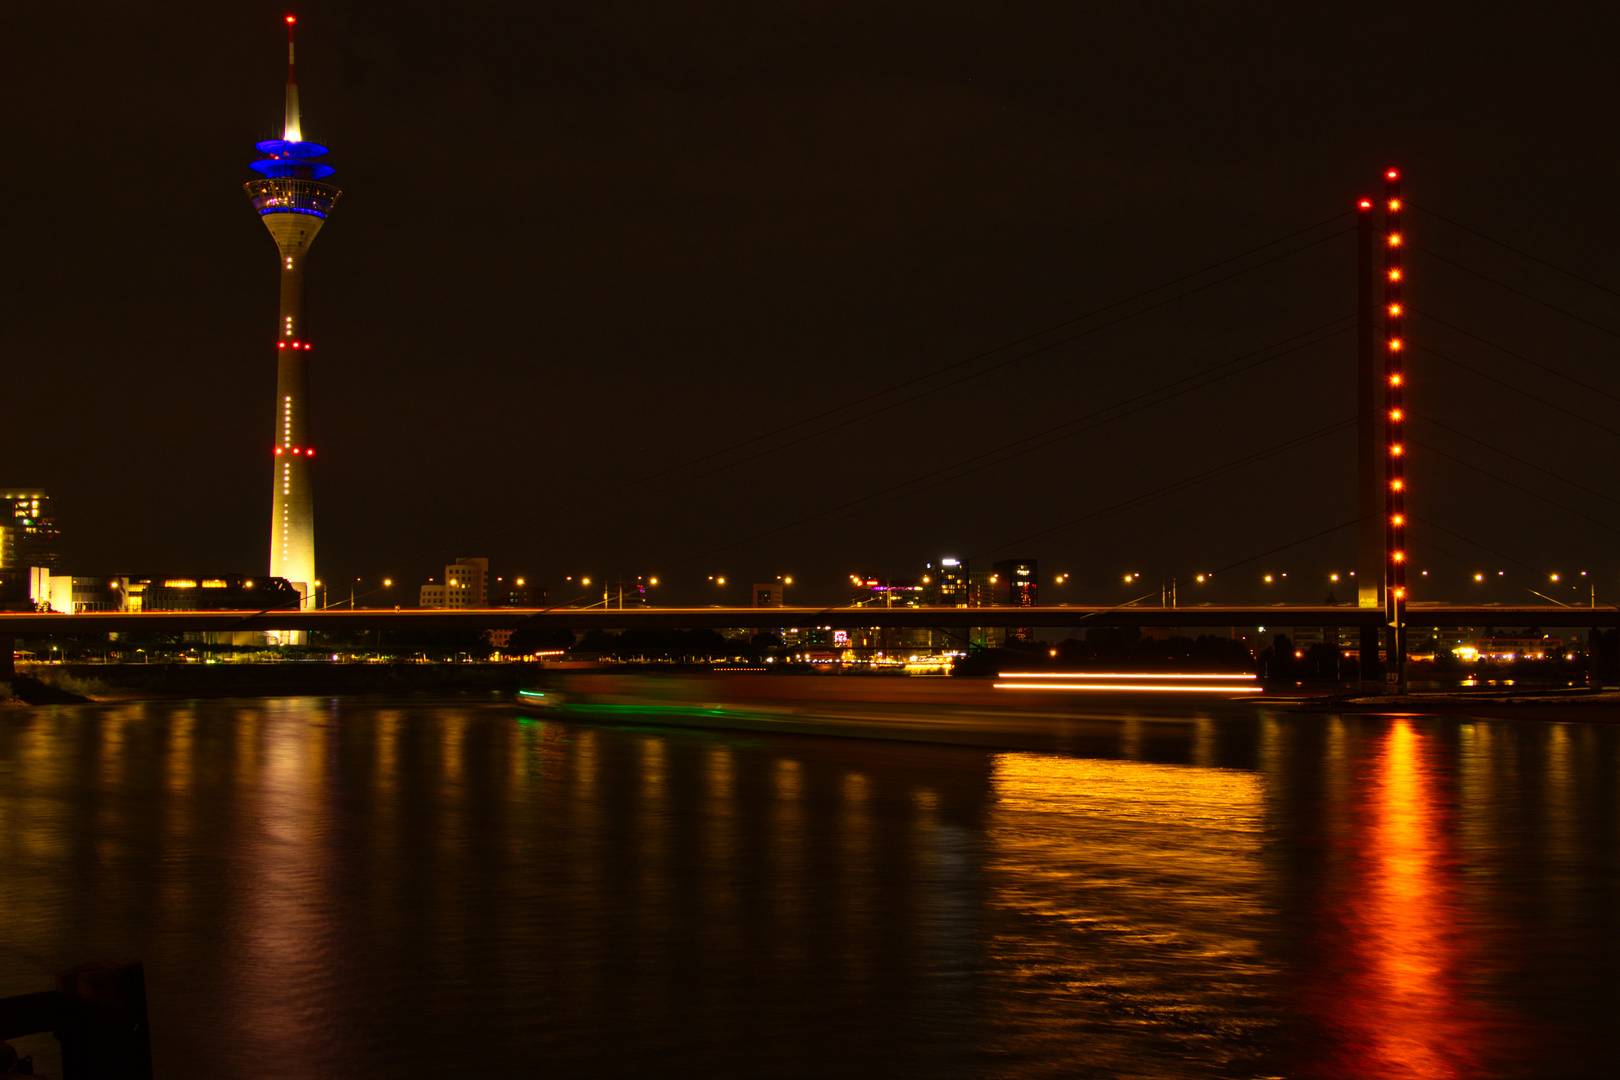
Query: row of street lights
point(1133, 578)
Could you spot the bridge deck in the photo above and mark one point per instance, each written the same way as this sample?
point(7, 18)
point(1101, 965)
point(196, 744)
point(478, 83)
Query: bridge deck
point(1190, 618)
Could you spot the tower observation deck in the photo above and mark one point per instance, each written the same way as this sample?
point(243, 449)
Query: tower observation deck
point(293, 201)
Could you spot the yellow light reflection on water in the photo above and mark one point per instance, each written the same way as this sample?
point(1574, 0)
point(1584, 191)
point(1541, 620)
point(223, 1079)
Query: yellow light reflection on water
point(1139, 889)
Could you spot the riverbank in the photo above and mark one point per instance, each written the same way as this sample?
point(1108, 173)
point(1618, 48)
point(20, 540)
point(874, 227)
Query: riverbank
point(45, 684)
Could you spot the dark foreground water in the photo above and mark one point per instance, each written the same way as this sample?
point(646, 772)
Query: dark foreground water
point(358, 889)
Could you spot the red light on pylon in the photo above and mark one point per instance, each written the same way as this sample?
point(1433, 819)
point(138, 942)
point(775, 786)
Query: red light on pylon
point(1392, 174)
point(309, 453)
point(1365, 204)
point(291, 19)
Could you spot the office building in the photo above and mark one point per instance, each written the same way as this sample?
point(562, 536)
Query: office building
point(28, 532)
point(30, 545)
point(1016, 583)
point(293, 203)
point(227, 592)
point(947, 583)
point(465, 586)
point(517, 593)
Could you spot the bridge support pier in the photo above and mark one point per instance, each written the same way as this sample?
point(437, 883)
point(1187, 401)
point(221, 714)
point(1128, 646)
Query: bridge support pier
point(1372, 672)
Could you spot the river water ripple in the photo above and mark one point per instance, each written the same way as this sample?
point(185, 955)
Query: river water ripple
point(368, 888)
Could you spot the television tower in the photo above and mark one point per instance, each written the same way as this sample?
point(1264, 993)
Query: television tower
point(293, 204)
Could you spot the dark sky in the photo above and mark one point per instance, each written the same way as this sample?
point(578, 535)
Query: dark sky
point(584, 243)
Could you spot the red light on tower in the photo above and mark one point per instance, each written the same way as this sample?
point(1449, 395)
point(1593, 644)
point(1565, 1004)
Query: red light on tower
point(1365, 204)
point(291, 19)
point(1391, 175)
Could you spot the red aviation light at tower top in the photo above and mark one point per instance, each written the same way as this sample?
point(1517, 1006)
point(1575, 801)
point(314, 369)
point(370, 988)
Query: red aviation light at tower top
point(1394, 430)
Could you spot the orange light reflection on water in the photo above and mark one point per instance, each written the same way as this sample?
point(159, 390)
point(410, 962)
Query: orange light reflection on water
point(1402, 1005)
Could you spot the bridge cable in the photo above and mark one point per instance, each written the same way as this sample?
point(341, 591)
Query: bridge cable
point(917, 379)
point(1219, 470)
point(1057, 433)
point(1501, 555)
point(1541, 400)
point(1230, 566)
point(1016, 448)
point(1135, 500)
point(1514, 457)
point(1517, 487)
point(1518, 292)
point(1517, 251)
point(1517, 356)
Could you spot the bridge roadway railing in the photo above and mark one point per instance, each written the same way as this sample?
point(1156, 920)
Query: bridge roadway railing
point(1191, 618)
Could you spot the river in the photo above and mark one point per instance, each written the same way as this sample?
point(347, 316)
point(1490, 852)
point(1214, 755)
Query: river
point(359, 888)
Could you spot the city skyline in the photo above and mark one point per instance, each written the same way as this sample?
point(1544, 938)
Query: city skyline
point(500, 371)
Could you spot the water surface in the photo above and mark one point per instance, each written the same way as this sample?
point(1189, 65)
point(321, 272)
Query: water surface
point(364, 888)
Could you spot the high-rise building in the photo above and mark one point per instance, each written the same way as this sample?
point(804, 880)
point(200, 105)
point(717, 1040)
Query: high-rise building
point(29, 546)
point(466, 584)
point(1017, 585)
point(947, 583)
point(293, 204)
point(28, 533)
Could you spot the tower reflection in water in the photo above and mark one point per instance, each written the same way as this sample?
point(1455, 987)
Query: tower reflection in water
point(1396, 986)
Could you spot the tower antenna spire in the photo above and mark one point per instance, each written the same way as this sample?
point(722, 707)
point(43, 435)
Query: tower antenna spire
point(292, 128)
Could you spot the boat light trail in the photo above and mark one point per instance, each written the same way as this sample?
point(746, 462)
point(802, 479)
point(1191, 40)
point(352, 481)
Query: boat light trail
point(1157, 688)
point(1112, 675)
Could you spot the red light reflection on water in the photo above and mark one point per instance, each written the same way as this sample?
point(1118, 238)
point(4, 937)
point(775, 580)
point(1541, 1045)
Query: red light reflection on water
point(1401, 1005)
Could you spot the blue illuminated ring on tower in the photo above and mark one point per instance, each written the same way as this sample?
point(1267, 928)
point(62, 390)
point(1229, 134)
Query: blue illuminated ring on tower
point(283, 195)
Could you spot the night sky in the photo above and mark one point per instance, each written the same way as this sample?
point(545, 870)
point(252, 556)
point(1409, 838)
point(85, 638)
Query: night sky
point(583, 244)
